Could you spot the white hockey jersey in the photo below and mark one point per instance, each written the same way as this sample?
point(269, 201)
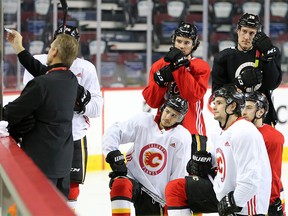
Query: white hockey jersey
point(243, 167)
point(156, 156)
point(86, 74)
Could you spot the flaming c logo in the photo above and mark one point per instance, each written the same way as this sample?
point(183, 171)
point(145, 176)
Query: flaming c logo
point(149, 159)
point(153, 158)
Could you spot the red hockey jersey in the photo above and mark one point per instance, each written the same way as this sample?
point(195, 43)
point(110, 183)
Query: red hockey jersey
point(274, 141)
point(191, 83)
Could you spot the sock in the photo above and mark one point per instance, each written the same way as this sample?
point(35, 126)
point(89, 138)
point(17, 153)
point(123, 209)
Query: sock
point(121, 197)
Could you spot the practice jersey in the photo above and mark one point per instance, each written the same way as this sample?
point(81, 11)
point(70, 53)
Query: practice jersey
point(156, 156)
point(86, 75)
point(274, 141)
point(190, 83)
point(230, 62)
point(243, 167)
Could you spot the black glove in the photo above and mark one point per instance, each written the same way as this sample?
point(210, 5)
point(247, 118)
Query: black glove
point(177, 58)
point(275, 209)
point(117, 163)
point(249, 78)
point(164, 76)
point(269, 55)
point(262, 42)
point(227, 205)
point(16, 131)
point(83, 98)
point(200, 164)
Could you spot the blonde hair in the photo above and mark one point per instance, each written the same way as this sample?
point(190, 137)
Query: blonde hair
point(67, 47)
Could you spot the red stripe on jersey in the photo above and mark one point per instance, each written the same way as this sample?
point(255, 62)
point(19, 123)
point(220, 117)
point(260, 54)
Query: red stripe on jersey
point(252, 206)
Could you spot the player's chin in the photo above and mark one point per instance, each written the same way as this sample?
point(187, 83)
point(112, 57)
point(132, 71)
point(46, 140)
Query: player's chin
point(246, 118)
point(216, 116)
point(166, 124)
point(246, 46)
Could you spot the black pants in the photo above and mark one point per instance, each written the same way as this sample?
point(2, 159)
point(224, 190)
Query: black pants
point(201, 196)
point(79, 163)
point(62, 184)
point(144, 204)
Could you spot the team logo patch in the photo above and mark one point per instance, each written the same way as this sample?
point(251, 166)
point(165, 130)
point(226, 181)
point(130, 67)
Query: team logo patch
point(221, 164)
point(153, 159)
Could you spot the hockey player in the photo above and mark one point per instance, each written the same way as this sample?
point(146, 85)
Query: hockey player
point(255, 110)
point(179, 73)
point(254, 64)
point(242, 181)
point(159, 153)
point(87, 77)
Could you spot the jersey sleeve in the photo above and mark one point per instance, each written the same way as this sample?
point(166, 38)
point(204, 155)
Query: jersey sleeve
point(31, 64)
point(272, 74)
point(90, 82)
point(27, 76)
point(119, 133)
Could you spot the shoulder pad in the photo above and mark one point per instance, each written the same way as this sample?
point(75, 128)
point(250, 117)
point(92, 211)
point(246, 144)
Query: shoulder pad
point(223, 55)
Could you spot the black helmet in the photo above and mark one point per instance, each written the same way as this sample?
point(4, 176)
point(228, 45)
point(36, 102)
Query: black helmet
point(70, 30)
point(177, 103)
point(189, 31)
point(259, 99)
point(249, 20)
point(231, 94)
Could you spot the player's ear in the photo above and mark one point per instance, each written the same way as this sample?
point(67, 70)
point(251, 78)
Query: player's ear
point(260, 113)
point(233, 106)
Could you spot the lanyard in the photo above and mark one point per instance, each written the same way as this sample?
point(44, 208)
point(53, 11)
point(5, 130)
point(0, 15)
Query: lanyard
point(57, 68)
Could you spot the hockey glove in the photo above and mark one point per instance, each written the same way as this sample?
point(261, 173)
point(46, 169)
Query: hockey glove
point(177, 58)
point(83, 98)
point(269, 55)
point(227, 205)
point(117, 163)
point(262, 42)
point(275, 209)
point(200, 164)
point(249, 78)
point(164, 76)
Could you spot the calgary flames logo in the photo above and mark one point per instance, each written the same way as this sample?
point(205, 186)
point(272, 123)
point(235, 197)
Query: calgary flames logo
point(153, 159)
point(221, 164)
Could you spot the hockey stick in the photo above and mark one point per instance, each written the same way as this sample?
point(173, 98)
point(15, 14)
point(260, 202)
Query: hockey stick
point(154, 196)
point(257, 58)
point(65, 11)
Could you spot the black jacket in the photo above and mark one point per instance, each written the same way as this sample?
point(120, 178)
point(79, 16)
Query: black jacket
point(50, 98)
point(230, 62)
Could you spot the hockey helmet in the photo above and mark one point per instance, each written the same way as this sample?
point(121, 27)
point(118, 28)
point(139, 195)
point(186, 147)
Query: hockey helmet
point(249, 20)
point(177, 103)
point(70, 30)
point(231, 95)
point(259, 99)
point(189, 31)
